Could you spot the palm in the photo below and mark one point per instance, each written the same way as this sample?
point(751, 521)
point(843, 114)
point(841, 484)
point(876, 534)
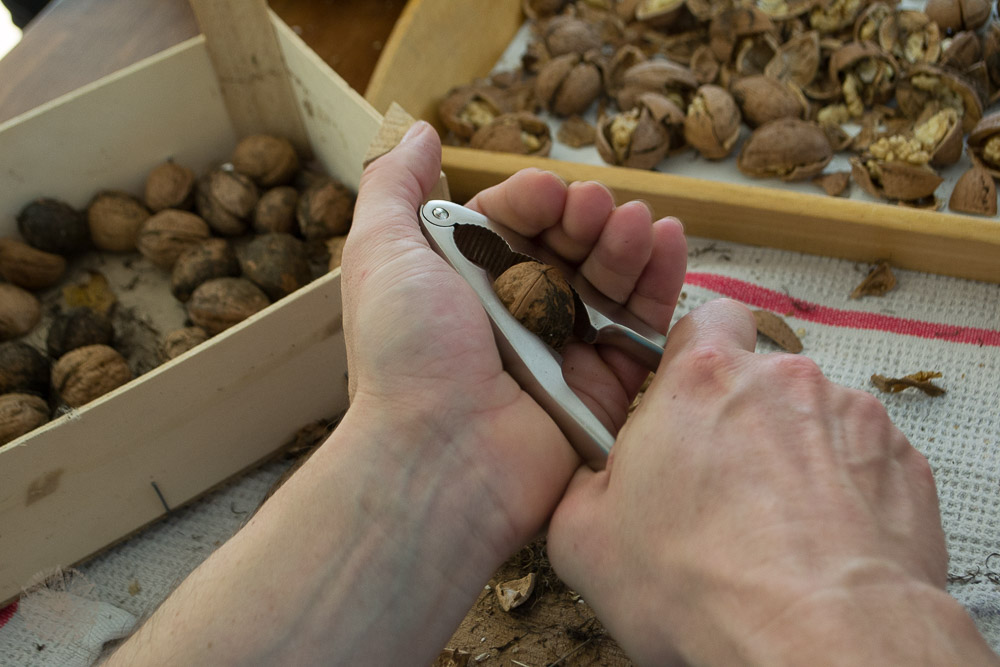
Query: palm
point(422, 336)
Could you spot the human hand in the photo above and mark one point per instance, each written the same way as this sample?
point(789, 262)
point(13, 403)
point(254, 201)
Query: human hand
point(421, 351)
point(752, 510)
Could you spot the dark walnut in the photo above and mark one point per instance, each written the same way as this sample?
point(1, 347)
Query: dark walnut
point(29, 267)
point(325, 211)
point(114, 219)
point(266, 159)
point(86, 373)
point(20, 311)
point(275, 211)
point(78, 327)
point(20, 414)
point(179, 341)
point(221, 303)
point(23, 369)
point(167, 234)
point(226, 200)
point(209, 259)
point(540, 298)
point(53, 226)
point(169, 185)
point(277, 263)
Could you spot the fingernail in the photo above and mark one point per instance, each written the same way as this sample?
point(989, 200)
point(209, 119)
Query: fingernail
point(414, 130)
point(677, 220)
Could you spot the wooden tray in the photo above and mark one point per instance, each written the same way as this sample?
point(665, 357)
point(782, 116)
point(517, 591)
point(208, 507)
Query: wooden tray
point(85, 481)
point(437, 45)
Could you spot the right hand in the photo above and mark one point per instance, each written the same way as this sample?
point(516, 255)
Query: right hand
point(747, 498)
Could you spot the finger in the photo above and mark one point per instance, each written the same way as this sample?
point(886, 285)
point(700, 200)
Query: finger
point(724, 324)
point(621, 252)
point(529, 202)
point(588, 205)
point(655, 294)
point(395, 185)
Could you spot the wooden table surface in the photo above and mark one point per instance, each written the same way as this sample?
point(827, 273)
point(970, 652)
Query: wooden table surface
point(74, 42)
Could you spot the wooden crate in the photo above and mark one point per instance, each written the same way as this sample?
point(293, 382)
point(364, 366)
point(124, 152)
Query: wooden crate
point(439, 44)
point(85, 481)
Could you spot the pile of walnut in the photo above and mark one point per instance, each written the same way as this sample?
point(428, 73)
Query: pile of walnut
point(235, 240)
point(667, 75)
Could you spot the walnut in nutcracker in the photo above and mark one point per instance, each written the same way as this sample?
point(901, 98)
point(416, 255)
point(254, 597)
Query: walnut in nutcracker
point(712, 123)
point(539, 297)
point(87, 373)
point(787, 148)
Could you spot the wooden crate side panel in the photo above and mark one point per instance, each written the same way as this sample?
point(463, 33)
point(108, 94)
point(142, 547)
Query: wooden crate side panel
point(910, 238)
point(437, 44)
point(111, 133)
point(84, 481)
point(340, 123)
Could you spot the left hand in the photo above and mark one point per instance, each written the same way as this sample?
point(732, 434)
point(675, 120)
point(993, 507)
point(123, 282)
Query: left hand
point(421, 352)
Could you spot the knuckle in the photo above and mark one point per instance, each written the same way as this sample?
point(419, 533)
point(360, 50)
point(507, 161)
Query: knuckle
point(795, 367)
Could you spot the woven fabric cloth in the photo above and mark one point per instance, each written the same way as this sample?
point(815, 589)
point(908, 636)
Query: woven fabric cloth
point(928, 323)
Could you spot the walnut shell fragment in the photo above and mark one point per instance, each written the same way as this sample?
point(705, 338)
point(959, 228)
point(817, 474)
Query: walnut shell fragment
point(920, 380)
point(20, 414)
point(775, 328)
point(575, 132)
point(975, 193)
point(984, 143)
point(879, 280)
point(835, 183)
point(786, 148)
point(895, 180)
point(539, 297)
point(86, 373)
point(514, 593)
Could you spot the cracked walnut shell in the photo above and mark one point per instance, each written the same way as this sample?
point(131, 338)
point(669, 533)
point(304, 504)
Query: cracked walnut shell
point(787, 148)
point(712, 123)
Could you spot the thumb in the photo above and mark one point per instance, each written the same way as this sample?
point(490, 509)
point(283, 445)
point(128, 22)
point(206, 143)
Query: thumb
point(395, 185)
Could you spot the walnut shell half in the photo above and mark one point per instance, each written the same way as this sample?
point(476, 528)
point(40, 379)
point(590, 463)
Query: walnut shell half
point(787, 148)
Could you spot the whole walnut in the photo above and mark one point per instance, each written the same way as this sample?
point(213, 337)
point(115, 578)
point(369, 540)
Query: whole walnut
point(325, 211)
point(86, 373)
point(540, 298)
point(20, 414)
point(266, 159)
point(29, 267)
point(23, 369)
point(221, 303)
point(169, 185)
point(78, 327)
point(277, 263)
point(53, 226)
point(20, 311)
point(568, 84)
point(568, 34)
point(179, 341)
point(209, 259)
point(114, 219)
point(226, 199)
point(275, 210)
point(165, 235)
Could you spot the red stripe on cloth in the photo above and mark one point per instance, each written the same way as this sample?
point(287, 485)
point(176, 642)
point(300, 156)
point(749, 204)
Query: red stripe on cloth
point(779, 302)
point(7, 613)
